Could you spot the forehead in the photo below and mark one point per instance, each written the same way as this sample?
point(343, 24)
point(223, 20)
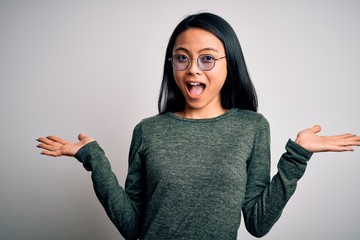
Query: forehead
point(196, 39)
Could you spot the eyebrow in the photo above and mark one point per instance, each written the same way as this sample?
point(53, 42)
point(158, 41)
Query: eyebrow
point(201, 50)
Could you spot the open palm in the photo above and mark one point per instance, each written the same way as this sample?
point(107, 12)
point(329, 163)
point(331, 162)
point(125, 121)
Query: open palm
point(310, 140)
point(55, 146)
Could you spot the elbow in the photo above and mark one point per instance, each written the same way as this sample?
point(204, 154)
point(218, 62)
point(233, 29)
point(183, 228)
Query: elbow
point(129, 236)
point(258, 225)
point(258, 229)
point(129, 231)
point(259, 234)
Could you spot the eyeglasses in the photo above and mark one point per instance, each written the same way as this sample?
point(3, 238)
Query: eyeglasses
point(206, 62)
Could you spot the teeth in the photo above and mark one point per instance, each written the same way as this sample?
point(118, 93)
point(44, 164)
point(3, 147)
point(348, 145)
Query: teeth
point(194, 84)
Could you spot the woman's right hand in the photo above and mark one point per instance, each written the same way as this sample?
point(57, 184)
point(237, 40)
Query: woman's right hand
point(56, 147)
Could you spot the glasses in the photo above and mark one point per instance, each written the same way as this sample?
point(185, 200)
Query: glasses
point(205, 62)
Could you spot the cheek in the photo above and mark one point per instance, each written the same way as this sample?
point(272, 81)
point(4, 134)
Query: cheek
point(219, 78)
point(224, 72)
point(223, 76)
point(177, 77)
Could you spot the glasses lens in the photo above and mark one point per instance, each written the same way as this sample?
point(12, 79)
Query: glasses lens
point(206, 62)
point(180, 62)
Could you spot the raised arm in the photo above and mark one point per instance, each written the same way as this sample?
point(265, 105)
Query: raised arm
point(123, 206)
point(266, 199)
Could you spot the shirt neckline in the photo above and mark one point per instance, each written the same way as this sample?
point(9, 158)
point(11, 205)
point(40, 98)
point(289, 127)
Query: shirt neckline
point(224, 115)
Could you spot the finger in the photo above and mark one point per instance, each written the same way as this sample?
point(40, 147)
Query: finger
point(46, 143)
point(342, 149)
point(352, 139)
point(351, 142)
point(355, 137)
point(50, 140)
point(345, 145)
point(51, 153)
point(50, 147)
point(346, 135)
point(45, 140)
point(57, 139)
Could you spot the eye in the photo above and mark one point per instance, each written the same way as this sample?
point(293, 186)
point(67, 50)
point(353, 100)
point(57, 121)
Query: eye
point(207, 58)
point(181, 58)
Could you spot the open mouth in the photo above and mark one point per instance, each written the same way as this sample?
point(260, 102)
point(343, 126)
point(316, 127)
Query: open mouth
point(195, 89)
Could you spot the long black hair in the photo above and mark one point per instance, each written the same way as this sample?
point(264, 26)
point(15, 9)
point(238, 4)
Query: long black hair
point(238, 90)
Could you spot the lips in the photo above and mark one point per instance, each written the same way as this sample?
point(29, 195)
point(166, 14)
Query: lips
point(195, 88)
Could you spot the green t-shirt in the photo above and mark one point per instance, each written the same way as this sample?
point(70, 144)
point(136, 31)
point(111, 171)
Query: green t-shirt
point(192, 178)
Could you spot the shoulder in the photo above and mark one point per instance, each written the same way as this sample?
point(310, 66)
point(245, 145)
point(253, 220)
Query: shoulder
point(146, 128)
point(154, 122)
point(250, 118)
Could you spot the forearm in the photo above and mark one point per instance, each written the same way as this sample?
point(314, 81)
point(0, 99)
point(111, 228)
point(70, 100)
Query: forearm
point(119, 207)
point(262, 212)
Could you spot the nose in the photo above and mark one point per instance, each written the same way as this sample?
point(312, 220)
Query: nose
point(193, 67)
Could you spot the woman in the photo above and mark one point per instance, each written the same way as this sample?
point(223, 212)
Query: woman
point(205, 158)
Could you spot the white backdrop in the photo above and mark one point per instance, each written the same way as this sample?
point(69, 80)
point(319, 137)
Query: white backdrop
point(95, 67)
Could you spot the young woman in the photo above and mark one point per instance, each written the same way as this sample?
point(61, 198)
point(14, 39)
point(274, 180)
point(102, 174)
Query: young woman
point(205, 158)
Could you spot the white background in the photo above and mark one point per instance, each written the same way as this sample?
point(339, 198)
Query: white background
point(95, 67)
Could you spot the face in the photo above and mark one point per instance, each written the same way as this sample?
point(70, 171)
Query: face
point(200, 88)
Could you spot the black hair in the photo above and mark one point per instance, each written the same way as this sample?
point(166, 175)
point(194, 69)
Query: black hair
point(238, 90)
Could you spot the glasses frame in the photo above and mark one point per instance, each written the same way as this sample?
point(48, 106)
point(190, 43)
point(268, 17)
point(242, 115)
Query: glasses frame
point(171, 59)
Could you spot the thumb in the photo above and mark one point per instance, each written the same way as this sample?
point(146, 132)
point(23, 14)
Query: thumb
point(81, 136)
point(316, 128)
point(84, 138)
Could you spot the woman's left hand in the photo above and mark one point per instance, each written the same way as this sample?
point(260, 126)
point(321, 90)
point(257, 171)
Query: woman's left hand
point(312, 142)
